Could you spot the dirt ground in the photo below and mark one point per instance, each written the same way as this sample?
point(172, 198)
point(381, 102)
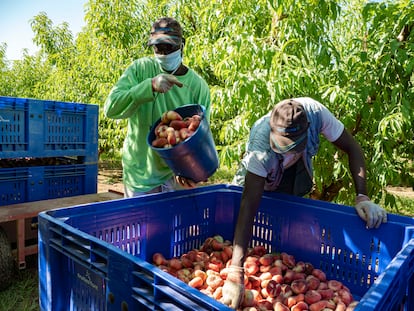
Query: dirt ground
point(110, 180)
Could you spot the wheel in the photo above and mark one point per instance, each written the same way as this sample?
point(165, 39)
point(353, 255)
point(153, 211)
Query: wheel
point(6, 261)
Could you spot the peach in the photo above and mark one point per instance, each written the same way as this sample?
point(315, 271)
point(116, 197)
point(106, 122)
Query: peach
point(319, 274)
point(275, 270)
point(278, 278)
point(201, 274)
point(185, 133)
point(288, 277)
point(300, 306)
point(263, 269)
point(265, 276)
point(174, 115)
point(345, 296)
point(293, 300)
point(196, 117)
point(184, 275)
point(326, 293)
point(340, 306)
point(264, 305)
point(352, 305)
point(255, 281)
point(251, 265)
point(308, 268)
point(322, 305)
point(214, 281)
point(186, 261)
point(228, 250)
point(218, 293)
point(194, 125)
point(248, 299)
point(334, 285)
point(161, 130)
point(159, 259)
point(266, 260)
point(299, 286)
point(273, 289)
point(259, 250)
point(312, 296)
point(299, 267)
point(196, 282)
point(323, 285)
point(175, 263)
point(178, 124)
point(171, 138)
point(278, 306)
point(286, 290)
point(159, 142)
point(299, 275)
point(288, 260)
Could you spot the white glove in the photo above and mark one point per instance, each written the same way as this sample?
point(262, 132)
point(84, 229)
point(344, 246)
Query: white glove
point(164, 82)
point(233, 288)
point(372, 213)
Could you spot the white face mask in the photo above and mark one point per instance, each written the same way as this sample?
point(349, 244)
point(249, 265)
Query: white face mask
point(169, 62)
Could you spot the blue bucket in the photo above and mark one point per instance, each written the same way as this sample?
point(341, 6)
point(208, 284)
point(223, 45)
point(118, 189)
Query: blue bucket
point(196, 157)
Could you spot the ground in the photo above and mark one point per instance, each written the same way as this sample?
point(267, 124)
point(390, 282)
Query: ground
point(110, 180)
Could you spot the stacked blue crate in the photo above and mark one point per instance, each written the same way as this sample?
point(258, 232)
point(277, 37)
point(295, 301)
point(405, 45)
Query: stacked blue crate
point(39, 129)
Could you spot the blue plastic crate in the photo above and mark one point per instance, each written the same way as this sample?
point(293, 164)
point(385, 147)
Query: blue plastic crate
point(98, 256)
point(33, 183)
point(41, 128)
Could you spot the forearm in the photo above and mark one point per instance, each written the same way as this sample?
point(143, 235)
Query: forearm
point(358, 170)
point(356, 160)
point(250, 202)
point(243, 233)
point(124, 99)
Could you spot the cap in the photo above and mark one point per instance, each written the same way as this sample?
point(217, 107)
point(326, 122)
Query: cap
point(166, 30)
point(289, 127)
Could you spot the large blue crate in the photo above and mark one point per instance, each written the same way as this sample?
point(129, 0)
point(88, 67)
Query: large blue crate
point(34, 183)
point(98, 256)
point(42, 128)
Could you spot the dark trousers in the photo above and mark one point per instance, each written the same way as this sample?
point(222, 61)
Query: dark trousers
point(296, 180)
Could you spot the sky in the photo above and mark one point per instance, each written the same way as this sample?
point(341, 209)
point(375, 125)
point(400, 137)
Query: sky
point(15, 29)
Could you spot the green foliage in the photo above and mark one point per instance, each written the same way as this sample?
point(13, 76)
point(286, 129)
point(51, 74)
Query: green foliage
point(353, 56)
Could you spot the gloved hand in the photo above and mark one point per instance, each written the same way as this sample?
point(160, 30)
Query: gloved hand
point(185, 182)
point(233, 288)
point(372, 213)
point(164, 82)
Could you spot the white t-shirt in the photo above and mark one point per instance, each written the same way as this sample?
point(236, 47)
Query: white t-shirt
point(261, 160)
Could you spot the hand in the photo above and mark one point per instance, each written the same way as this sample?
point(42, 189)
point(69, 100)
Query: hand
point(185, 182)
point(164, 82)
point(233, 289)
point(372, 213)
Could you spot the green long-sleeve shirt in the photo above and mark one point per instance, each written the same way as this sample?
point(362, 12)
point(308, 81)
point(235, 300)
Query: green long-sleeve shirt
point(132, 98)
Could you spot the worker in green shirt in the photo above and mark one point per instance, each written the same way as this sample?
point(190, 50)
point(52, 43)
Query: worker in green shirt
point(149, 87)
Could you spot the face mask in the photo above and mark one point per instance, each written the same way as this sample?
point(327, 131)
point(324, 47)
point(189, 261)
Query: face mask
point(169, 62)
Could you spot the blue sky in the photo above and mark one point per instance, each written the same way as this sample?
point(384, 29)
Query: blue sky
point(16, 15)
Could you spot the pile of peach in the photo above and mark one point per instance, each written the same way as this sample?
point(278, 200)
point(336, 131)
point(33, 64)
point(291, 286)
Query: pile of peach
point(174, 129)
point(273, 281)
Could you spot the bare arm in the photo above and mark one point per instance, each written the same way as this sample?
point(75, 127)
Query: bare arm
point(252, 194)
point(372, 213)
point(356, 161)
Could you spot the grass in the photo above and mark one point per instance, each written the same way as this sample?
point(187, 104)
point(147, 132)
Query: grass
point(23, 295)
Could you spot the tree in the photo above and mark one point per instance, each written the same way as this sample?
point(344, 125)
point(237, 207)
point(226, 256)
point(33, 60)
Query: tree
point(355, 57)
